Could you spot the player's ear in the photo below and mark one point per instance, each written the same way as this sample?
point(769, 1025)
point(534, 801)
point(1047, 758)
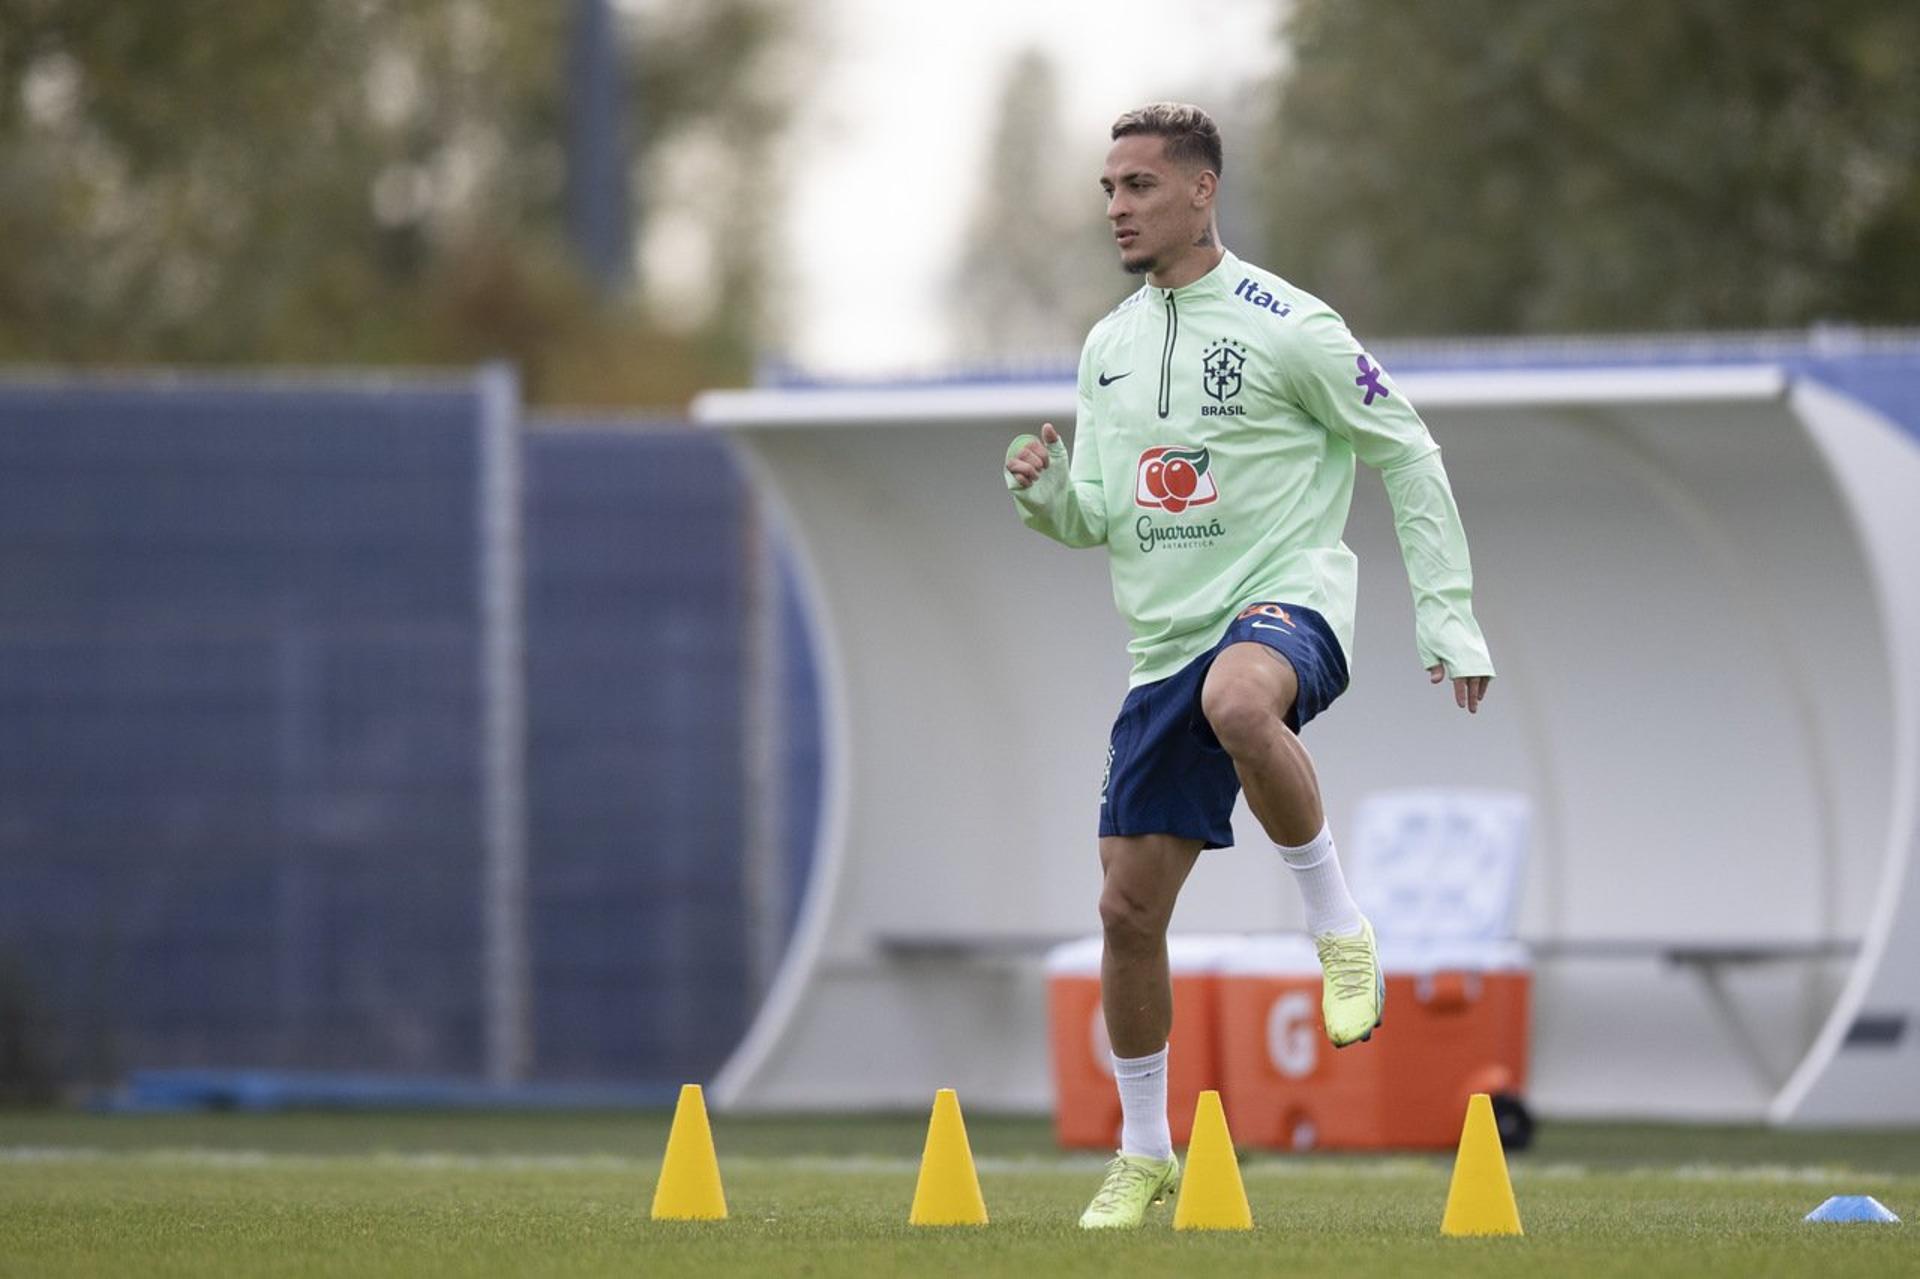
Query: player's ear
point(1206, 184)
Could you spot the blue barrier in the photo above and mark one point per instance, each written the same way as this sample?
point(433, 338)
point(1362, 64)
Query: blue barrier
point(241, 697)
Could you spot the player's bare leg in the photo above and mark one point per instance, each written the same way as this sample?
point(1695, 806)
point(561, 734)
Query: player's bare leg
point(1249, 690)
point(1141, 879)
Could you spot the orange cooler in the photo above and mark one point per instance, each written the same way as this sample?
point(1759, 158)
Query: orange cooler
point(1086, 1105)
point(1455, 1024)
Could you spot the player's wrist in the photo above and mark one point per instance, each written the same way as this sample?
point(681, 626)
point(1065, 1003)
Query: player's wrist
point(1042, 492)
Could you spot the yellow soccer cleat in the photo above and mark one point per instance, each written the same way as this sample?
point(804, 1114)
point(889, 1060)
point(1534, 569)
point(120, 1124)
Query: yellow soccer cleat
point(1133, 1183)
point(1352, 991)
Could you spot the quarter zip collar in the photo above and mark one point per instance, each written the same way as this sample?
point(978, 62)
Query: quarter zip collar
point(1168, 302)
point(1215, 283)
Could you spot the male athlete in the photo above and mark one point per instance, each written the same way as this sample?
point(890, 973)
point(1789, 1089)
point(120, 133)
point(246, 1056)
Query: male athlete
point(1220, 412)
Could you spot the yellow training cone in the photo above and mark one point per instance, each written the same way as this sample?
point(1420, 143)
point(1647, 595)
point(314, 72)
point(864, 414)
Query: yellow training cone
point(1480, 1201)
point(949, 1189)
point(1212, 1196)
point(689, 1188)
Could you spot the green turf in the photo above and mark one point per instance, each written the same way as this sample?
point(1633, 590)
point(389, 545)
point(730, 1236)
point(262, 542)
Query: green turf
point(568, 1195)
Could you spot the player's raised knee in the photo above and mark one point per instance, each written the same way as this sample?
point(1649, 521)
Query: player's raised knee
point(1242, 710)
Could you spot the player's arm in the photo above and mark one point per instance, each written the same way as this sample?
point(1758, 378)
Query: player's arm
point(1345, 390)
point(1060, 496)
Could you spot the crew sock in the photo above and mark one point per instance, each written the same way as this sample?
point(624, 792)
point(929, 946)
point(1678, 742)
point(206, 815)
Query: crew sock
point(1316, 868)
point(1143, 1105)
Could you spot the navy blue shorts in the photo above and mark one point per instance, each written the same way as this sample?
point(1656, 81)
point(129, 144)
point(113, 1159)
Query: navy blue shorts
point(1166, 771)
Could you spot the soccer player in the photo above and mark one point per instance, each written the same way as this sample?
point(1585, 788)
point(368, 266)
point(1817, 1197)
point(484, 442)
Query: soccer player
point(1220, 411)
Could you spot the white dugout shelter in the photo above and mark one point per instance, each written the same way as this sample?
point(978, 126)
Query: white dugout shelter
point(1698, 566)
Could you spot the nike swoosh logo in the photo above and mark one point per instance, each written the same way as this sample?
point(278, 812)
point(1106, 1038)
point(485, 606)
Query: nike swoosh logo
point(1269, 626)
point(1109, 381)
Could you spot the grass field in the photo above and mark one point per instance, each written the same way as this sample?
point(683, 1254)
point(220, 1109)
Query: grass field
point(568, 1195)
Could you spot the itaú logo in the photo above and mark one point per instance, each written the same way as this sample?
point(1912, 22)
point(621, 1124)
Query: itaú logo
point(1172, 479)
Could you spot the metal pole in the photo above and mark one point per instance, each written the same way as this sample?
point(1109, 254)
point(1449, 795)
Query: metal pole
point(506, 962)
point(597, 204)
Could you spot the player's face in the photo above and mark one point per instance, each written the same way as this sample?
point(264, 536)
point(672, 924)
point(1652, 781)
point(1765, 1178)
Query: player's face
point(1153, 203)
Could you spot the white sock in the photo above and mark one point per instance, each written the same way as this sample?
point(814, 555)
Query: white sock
point(1143, 1105)
point(1316, 868)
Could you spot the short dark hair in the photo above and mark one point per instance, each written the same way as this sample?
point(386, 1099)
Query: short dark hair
point(1190, 133)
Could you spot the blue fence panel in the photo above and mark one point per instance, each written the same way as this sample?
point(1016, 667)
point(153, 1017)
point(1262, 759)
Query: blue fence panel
point(636, 591)
point(239, 708)
point(240, 720)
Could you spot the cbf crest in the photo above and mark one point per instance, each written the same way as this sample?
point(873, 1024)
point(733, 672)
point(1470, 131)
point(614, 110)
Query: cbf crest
point(1220, 377)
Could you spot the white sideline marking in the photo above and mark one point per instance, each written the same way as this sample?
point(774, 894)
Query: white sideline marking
point(206, 1157)
point(1814, 1174)
point(842, 1165)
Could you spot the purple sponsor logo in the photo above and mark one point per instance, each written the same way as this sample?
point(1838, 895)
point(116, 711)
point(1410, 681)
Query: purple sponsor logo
point(1248, 291)
point(1369, 380)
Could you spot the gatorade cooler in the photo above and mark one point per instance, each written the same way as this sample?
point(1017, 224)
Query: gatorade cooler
point(1280, 1081)
point(1086, 1105)
point(1437, 871)
point(1455, 1024)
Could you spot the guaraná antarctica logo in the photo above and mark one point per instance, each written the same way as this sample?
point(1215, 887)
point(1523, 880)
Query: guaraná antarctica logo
point(1173, 480)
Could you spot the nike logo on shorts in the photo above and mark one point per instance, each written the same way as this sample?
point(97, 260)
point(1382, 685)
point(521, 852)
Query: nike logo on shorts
point(1269, 626)
point(1109, 381)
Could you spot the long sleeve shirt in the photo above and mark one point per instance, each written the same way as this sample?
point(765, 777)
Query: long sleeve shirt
point(1214, 448)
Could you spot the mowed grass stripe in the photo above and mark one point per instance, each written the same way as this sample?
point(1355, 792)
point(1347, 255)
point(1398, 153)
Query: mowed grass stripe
point(642, 1135)
point(484, 1195)
point(1253, 1166)
point(124, 1214)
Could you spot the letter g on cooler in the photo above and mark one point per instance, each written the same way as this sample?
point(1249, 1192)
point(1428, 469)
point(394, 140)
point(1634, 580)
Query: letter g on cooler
point(1293, 1040)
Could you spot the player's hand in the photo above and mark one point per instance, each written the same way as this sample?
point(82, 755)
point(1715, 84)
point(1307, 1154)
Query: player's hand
point(1468, 690)
point(1025, 463)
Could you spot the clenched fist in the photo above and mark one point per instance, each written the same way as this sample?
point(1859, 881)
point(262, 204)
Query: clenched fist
point(1038, 462)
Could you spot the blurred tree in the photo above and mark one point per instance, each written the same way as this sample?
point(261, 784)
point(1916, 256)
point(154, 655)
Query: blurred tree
point(1562, 165)
point(379, 181)
point(1037, 267)
point(716, 86)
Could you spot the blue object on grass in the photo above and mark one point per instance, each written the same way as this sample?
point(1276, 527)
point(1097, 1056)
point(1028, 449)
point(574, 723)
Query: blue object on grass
point(166, 1091)
point(1851, 1208)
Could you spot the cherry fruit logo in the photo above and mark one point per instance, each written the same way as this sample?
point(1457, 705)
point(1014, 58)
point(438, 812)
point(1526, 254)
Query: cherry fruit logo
point(1172, 479)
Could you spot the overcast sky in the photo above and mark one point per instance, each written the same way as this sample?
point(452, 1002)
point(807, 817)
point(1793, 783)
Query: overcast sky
point(900, 111)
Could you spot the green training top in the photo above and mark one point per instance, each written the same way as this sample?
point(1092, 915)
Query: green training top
point(1213, 456)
